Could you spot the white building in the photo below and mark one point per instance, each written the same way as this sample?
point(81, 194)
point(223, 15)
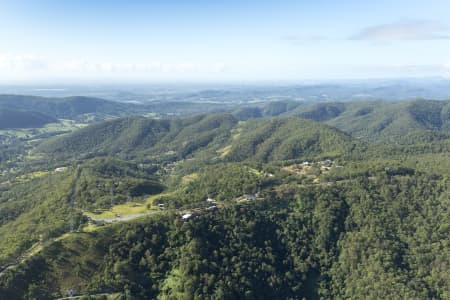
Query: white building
point(186, 216)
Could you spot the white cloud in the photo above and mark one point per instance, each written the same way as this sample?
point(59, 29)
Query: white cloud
point(27, 62)
point(30, 63)
point(218, 68)
point(404, 30)
point(78, 66)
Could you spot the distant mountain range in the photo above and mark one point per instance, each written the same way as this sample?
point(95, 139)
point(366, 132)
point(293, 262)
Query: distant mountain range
point(23, 119)
point(381, 121)
point(348, 90)
point(66, 108)
point(78, 106)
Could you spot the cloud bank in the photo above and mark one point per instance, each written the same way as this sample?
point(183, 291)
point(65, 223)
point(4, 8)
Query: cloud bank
point(404, 30)
point(31, 64)
point(419, 30)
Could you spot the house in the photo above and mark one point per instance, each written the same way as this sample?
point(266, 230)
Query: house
point(250, 197)
point(214, 207)
point(186, 216)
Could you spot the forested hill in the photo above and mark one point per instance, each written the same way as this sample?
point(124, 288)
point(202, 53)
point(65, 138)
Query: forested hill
point(401, 122)
point(287, 138)
point(130, 136)
point(220, 135)
point(379, 121)
point(21, 119)
point(68, 108)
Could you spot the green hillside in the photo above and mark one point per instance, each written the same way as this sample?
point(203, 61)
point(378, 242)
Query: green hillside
point(209, 207)
point(263, 140)
point(287, 138)
point(23, 119)
point(133, 136)
point(405, 122)
point(355, 239)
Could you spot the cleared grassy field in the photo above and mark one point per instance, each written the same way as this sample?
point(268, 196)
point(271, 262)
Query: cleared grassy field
point(127, 209)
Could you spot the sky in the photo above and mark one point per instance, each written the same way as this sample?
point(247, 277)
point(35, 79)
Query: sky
point(45, 40)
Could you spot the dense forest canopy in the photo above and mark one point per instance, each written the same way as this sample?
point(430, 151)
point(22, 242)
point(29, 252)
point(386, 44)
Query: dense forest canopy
point(273, 200)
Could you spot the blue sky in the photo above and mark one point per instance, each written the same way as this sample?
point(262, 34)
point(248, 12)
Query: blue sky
point(223, 40)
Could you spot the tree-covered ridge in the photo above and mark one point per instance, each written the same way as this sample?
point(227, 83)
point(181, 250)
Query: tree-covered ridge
point(20, 119)
point(287, 138)
point(406, 122)
point(263, 140)
point(132, 136)
point(401, 122)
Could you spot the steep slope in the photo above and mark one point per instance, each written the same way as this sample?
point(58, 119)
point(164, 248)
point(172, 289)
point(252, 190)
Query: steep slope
point(287, 138)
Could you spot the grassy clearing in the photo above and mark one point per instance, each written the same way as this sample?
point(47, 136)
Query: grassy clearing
point(18, 133)
point(224, 151)
point(237, 131)
point(151, 115)
point(189, 178)
point(130, 208)
point(91, 228)
point(29, 133)
point(126, 209)
point(255, 171)
point(33, 175)
point(63, 124)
